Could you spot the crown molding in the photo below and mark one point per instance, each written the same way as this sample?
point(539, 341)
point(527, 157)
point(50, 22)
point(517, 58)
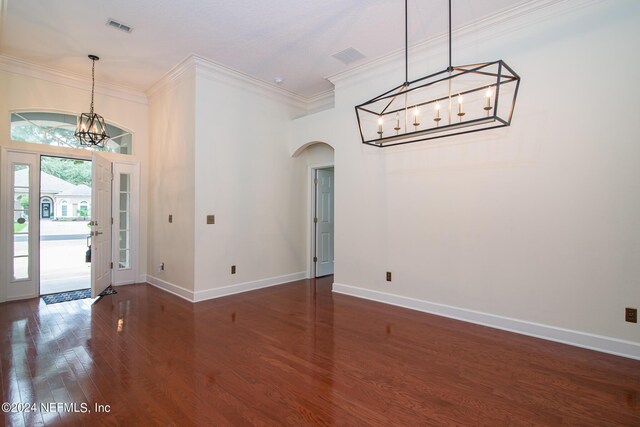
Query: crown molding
point(321, 101)
point(521, 15)
point(215, 71)
point(172, 76)
point(18, 66)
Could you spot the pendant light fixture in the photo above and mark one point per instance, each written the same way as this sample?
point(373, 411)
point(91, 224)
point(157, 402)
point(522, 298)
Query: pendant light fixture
point(458, 100)
point(91, 129)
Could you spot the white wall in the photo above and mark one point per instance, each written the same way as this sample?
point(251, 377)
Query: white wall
point(536, 222)
point(221, 148)
point(172, 182)
point(247, 179)
point(27, 87)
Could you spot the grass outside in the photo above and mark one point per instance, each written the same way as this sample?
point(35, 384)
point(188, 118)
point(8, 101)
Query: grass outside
point(17, 227)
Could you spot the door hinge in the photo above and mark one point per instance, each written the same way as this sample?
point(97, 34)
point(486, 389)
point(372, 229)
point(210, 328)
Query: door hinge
point(111, 220)
point(315, 259)
point(315, 181)
point(315, 220)
point(112, 265)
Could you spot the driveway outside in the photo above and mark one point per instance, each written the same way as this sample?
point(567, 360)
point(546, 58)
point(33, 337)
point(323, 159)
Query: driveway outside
point(62, 256)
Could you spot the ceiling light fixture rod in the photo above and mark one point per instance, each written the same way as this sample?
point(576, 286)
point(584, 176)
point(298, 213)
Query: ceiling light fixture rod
point(406, 43)
point(450, 62)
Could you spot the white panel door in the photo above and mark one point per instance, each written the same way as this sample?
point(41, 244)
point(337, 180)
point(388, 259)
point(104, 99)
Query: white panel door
point(100, 224)
point(324, 222)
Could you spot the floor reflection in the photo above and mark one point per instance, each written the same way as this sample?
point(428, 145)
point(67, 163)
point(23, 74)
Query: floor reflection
point(294, 354)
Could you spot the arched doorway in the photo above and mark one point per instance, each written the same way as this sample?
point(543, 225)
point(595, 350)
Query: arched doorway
point(319, 158)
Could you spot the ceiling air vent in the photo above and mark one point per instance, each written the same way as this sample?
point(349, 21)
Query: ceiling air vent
point(348, 56)
point(119, 25)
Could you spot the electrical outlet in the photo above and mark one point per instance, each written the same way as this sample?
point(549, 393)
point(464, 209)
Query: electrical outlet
point(631, 315)
point(161, 266)
point(388, 276)
point(233, 269)
point(170, 218)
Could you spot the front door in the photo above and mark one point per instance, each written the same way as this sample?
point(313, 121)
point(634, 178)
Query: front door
point(324, 222)
point(46, 209)
point(100, 225)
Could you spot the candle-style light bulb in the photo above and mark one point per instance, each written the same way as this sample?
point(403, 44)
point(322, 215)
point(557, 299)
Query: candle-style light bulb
point(397, 128)
point(460, 112)
point(488, 94)
point(380, 121)
point(437, 117)
point(416, 114)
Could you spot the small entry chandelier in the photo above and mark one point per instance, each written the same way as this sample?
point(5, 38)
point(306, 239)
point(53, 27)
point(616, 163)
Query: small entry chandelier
point(458, 100)
point(91, 129)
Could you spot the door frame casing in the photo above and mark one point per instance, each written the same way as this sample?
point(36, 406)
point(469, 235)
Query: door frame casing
point(311, 204)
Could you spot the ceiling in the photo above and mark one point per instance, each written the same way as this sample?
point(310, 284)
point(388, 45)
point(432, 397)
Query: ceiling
point(291, 39)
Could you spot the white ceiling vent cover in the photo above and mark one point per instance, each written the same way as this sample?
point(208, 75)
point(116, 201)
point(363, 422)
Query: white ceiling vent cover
point(348, 56)
point(119, 25)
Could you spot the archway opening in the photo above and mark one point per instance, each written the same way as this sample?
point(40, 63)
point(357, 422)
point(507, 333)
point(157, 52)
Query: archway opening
point(320, 214)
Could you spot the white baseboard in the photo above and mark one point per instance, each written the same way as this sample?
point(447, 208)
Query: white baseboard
point(223, 291)
point(247, 286)
point(170, 287)
point(125, 283)
point(566, 336)
point(20, 297)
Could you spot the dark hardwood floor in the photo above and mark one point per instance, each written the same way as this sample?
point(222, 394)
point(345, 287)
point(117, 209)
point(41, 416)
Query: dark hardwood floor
point(294, 354)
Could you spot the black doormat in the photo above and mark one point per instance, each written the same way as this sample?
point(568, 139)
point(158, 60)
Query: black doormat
point(66, 296)
point(74, 295)
point(108, 291)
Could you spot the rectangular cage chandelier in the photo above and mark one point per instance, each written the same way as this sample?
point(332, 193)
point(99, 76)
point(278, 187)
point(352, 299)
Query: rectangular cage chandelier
point(455, 101)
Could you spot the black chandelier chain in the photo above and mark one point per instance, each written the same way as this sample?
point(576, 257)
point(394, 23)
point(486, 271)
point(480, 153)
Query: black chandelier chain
point(91, 128)
point(93, 83)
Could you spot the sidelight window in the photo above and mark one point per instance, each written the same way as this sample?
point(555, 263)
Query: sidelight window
point(21, 229)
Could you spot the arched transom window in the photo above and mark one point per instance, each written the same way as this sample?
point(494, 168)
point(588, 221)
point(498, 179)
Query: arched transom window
point(41, 127)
